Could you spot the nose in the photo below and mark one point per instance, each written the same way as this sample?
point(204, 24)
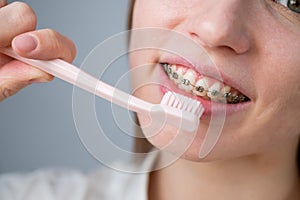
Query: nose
point(217, 23)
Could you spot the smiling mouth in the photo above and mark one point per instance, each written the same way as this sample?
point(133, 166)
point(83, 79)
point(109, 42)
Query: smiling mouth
point(192, 82)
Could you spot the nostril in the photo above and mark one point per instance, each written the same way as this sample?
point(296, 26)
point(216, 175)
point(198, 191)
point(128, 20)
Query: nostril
point(205, 44)
point(239, 43)
point(200, 42)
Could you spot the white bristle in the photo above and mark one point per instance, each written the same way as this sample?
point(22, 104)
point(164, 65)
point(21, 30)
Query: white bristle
point(165, 100)
point(182, 102)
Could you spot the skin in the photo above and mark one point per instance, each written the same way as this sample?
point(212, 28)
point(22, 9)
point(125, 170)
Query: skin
point(255, 44)
point(256, 40)
point(21, 34)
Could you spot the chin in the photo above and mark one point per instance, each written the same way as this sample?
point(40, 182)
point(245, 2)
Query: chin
point(177, 143)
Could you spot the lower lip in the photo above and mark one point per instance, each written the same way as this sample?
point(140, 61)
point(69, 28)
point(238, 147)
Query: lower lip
point(217, 109)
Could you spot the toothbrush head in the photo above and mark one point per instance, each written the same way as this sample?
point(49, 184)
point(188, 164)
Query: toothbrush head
point(183, 103)
point(179, 111)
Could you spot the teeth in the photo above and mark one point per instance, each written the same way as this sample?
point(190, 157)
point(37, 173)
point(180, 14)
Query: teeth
point(234, 98)
point(179, 73)
point(166, 68)
point(172, 72)
point(224, 94)
point(189, 79)
point(214, 91)
point(225, 89)
point(201, 87)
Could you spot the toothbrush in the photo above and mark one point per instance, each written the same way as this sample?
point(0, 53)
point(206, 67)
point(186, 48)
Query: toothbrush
point(174, 109)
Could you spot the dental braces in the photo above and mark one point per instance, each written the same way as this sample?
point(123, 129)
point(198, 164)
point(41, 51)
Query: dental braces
point(214, 94)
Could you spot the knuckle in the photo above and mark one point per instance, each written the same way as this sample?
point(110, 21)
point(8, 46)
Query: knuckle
point(65, 47)
point(52, 35)
point(38, 76)
point(44, 78)
point(24, 14)
point(49, 78)
point(57, 45)
point(51, 32)
point(6, 92)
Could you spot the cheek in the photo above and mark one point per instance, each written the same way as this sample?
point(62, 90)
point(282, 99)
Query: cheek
point(276, 72)
point(278, 102)
point(145, 13)
point(159, 13)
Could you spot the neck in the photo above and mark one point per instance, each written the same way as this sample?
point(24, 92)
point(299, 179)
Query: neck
point(269, 175)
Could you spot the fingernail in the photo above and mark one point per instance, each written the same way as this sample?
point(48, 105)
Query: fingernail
point(25, 43)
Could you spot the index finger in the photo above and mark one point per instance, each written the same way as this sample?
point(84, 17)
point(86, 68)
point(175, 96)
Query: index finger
point(3, 3)
point(15, 18)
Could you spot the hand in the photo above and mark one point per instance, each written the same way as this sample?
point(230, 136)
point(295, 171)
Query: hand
point(17, 25)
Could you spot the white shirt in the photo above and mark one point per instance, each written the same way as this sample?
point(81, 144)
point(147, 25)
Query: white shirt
point(104, 184)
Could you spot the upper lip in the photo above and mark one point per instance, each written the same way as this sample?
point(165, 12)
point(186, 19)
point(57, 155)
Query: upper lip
point(206, 70)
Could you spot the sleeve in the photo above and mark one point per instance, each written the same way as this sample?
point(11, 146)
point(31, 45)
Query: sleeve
point(46, 185)
point(104, 184)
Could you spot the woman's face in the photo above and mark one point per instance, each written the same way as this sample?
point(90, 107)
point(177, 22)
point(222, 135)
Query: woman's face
point(254, 45)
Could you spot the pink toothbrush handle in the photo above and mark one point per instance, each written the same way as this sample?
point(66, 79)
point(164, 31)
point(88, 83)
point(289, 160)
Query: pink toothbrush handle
point(83, 80)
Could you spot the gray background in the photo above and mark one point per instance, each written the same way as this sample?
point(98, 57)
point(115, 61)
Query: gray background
point(36, 125)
